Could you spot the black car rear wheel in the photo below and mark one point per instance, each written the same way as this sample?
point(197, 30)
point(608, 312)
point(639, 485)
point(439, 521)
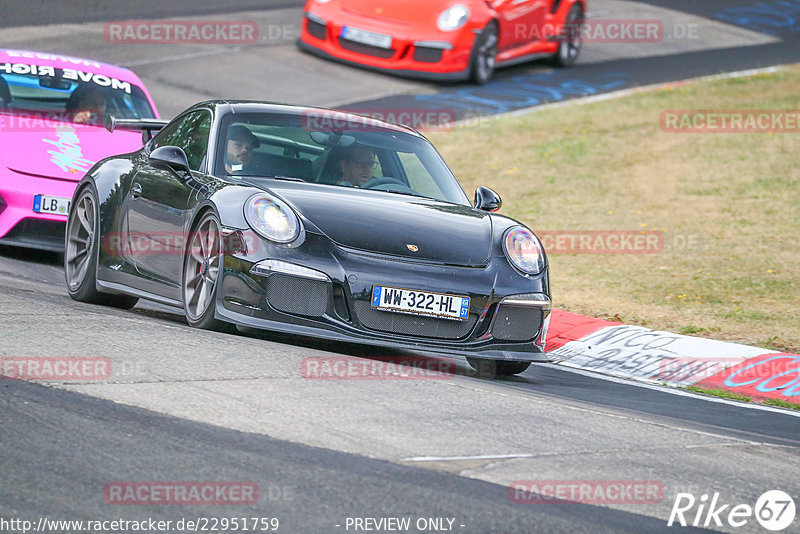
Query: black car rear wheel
point(201, 273)
point(81, 250)
point(494, 368)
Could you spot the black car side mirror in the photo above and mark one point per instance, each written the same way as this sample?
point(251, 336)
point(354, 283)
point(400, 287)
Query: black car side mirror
point(172, 156)
point(487, 200)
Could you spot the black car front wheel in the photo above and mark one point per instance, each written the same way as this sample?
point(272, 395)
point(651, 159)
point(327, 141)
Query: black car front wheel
point(81, 250)
point(495, 368)
point(201, 274)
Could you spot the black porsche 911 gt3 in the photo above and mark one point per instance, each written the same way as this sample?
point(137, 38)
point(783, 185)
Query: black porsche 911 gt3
point(309, 221)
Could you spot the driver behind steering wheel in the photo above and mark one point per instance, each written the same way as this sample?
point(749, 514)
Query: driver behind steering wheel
point(357, 164)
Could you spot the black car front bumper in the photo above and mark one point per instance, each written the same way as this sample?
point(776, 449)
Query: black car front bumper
point(326, 292)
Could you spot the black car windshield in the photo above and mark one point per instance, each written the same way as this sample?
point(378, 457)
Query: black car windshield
point(342, 151)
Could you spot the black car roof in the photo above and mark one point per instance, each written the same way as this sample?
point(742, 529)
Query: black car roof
point(256, 106)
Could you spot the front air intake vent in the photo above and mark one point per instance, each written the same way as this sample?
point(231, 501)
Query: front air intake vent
point(517, 323)
point(316, 29)
point(413, 325)
point(367, 50)
point(297, 296)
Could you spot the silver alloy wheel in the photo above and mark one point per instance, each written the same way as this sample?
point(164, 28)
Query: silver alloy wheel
point(80, 238)
point(202, 268)
point(485, 58)
point(572, 40)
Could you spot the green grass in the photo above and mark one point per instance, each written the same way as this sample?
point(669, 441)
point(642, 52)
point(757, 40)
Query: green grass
point(722, 393)
point(728, 206)
point(689, 330)
point(782, 404)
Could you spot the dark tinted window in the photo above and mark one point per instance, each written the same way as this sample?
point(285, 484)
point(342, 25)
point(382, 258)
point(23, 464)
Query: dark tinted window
point(190, 133)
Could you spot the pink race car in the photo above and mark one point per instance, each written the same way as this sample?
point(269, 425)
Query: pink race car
point(53, 110)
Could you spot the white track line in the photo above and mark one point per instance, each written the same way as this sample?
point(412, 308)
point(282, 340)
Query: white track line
point(677, 391)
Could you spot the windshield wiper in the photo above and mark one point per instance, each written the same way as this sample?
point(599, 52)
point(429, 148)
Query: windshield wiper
point(266, 177)
point(404, 193)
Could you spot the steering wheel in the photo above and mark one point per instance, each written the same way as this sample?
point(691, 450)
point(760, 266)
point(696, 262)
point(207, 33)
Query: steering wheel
point(393, 185)
point(381, 180)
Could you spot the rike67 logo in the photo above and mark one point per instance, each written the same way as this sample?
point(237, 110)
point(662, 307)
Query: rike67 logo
point(774, 510)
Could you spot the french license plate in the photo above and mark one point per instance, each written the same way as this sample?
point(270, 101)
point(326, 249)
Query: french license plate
point(420, 302)
point(55, 205)
point(363, 36)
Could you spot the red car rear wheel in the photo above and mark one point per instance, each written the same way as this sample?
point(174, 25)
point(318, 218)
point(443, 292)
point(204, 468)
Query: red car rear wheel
point(569, 46)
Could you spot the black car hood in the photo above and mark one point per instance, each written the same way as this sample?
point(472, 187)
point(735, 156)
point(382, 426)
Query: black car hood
point(399, 225)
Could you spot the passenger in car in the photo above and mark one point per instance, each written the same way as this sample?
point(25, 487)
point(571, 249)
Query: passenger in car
point(356, 164)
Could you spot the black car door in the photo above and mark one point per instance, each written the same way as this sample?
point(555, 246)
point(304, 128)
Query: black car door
point(159, 203)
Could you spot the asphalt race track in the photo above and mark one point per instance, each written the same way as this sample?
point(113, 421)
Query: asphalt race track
point(187, 405)
point(308, 489)
point(329, 440)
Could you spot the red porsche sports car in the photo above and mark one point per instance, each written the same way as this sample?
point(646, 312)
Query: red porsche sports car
point(447, 40)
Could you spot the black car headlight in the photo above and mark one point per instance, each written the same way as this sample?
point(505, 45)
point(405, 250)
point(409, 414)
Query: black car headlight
point(271, 218)
point(524, 250)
